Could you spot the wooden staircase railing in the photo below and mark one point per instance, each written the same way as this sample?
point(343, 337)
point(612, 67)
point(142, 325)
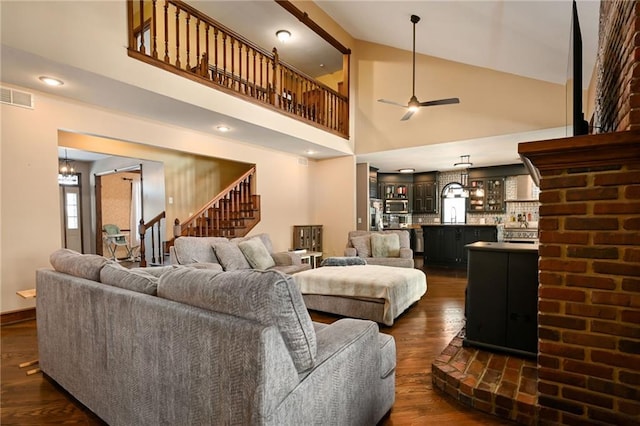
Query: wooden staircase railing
point(155, 226)
point(178, 38)
point(232, 213)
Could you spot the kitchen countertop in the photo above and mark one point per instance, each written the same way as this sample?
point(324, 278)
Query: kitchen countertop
point(508, 247)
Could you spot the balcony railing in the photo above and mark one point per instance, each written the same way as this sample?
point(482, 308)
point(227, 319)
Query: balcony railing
point(178, 38)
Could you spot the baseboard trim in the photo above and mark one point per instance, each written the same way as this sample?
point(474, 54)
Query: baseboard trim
point(18, 316)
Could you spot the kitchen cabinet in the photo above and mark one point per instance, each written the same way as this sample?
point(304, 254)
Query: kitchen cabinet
point(502, 297)
point(444, 245)
point(373, 183)
point(487, 195)
point(308, 237)
point(424, 197)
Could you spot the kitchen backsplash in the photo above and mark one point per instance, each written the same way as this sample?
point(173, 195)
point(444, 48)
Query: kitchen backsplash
point(513, 208)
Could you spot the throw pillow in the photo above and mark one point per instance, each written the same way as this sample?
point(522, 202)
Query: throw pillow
point(135, 280)
point(71, 262)
point(230, 256)
point(343, 261)
point(385, 245)
point(362, 244)
point(256, 253)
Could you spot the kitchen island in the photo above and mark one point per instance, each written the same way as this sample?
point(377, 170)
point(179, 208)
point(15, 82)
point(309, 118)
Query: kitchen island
point(444, 244)
point(502, 297)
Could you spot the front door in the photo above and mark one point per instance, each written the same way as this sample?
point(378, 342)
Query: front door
point(71, 217)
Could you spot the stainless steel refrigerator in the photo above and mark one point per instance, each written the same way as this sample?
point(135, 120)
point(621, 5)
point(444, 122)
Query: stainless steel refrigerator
point(375, 214)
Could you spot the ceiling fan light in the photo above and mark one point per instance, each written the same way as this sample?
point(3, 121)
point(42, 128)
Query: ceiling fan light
point(413, 108)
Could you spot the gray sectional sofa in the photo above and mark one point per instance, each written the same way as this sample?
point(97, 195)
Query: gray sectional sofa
point(182, 345)
point(226, 252)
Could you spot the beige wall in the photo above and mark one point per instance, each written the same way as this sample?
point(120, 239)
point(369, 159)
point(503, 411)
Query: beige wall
point(491, 102)
point(292, 193)
point(334, 202)
point(189, 179)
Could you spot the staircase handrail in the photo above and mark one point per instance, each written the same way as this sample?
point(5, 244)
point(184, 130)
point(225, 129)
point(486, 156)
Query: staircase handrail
point(142, 230)
point(179, 228)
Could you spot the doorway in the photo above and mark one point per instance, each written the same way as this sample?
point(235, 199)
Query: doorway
point(119, 203)
point(71, 212)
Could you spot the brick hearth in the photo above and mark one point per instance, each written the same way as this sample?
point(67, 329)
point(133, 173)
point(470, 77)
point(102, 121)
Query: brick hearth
point(499, 384)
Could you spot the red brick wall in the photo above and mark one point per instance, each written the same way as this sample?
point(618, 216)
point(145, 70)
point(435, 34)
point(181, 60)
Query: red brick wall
point(589, 293)
point(589, 361)
point(617, 105)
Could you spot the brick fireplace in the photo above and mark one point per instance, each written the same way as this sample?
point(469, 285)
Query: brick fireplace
point(589, 293)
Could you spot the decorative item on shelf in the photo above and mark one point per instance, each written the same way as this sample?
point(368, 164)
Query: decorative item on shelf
point(65, 167)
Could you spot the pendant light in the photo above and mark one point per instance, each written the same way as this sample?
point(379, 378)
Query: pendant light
point(65, 167)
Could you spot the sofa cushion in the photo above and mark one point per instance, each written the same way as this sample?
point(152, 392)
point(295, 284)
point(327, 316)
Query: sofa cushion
point(268, 297)
point(71, 262)
point(230, 256)
point(362, 244)
point(196, 249)
point(129, 279)
point(385, 245)
point(256, 253)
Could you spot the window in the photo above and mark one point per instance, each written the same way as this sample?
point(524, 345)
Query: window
point(454, 203)
point(71, 201)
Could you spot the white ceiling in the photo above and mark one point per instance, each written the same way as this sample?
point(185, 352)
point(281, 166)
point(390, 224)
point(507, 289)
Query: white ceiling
point(529, 38)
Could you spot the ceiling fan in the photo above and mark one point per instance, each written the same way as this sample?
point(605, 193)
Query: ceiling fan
point(414, 104)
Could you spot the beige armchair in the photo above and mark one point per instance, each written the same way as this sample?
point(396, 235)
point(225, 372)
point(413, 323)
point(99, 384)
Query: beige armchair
point(387, 248)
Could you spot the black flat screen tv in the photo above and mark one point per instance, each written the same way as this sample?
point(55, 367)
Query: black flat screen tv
point(576, 124)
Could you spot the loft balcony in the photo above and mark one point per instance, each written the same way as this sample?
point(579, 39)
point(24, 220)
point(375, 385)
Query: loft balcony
point(178, 38)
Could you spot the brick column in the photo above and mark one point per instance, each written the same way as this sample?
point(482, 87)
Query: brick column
point(589, 293)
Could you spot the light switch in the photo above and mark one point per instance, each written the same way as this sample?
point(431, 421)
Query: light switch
point(170, 200)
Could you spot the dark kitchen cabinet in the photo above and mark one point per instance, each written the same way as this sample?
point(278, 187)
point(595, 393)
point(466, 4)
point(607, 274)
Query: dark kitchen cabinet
point(502, 297)
point(424, 197)
point(487, 195)
point(444, 245)
point(373, 183)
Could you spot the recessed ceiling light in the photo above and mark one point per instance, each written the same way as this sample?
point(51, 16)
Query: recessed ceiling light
point(51, 81)
point(283, 35)
point(310, 152)
point(407, 170)
point(223, 128)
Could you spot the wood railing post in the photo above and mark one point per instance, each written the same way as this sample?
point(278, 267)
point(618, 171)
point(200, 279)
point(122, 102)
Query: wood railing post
point(142, 231)
point(275, 95)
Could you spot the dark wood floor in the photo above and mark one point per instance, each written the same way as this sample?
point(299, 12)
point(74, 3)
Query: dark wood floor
point(421, 334)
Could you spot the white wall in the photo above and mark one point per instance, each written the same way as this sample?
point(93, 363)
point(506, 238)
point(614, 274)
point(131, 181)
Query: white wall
point(291, 193)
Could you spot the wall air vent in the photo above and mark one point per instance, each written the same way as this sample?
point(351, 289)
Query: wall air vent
point(17, 98)
point(303, 161)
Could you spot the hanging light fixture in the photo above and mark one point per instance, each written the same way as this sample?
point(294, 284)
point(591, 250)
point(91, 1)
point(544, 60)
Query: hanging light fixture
point(65, 167)
point(465, 162)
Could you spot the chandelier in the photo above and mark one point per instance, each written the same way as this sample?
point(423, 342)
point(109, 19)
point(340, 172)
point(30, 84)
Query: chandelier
point(65, 167)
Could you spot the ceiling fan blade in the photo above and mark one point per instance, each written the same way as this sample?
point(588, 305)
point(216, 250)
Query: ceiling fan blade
point(441, 102)
point(407, 116)
point(391, 102)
